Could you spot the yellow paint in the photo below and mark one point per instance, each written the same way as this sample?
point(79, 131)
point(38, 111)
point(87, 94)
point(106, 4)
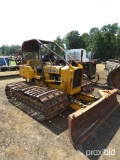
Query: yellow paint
point(85, 97)
point(65, 74)
point(52, 74)
point(27, 72)
point(50, 81)
point(76, 106)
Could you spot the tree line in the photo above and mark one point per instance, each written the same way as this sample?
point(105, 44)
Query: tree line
point(104, 42)
point(7, 50)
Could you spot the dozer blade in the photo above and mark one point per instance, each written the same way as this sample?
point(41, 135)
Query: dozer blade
point(84, 121)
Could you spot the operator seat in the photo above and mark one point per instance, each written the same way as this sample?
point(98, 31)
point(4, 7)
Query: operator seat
point(39, 68)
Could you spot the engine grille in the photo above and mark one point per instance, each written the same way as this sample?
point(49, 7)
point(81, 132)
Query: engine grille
point(77, 78)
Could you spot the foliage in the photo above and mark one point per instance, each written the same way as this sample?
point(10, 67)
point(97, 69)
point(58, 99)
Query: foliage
point(54, 47)
point(112, 28)
point(104, 42)
point(59, 41)
point(98, 45)
point(72, 40)
point(85, 40)
point(9, 50)
point(118, 44)
point(93, 31)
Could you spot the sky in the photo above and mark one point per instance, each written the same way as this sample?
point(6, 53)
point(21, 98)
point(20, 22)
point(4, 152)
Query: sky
point(22, 20)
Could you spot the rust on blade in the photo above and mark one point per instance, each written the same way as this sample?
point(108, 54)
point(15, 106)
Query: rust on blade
point(84, 121)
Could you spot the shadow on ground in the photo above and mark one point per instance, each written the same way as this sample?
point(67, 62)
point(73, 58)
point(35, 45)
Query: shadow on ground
point(6, 77)
point(100, 85)
point(98, 141)
point(59, 123)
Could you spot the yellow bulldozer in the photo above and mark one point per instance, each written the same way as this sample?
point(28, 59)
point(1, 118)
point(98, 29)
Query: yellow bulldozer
point(50, 88)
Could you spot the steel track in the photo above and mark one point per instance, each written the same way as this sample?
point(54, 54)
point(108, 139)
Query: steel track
point(40, 103)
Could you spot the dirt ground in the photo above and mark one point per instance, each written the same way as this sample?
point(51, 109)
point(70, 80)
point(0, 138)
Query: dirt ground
point(23, 138)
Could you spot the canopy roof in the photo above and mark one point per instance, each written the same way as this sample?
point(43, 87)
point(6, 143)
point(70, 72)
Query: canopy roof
point(33, 45)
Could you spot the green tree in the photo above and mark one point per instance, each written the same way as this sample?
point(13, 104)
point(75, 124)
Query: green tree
point(2, 49)
point(103, 41)
point(72, 40)
point(85, 38)
point(118, 44)
point(112, 28)
point(93, 31)
point(98, 45)
point(109, 44)
point(9, 50)
point(6, 50)
point(59, 41)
